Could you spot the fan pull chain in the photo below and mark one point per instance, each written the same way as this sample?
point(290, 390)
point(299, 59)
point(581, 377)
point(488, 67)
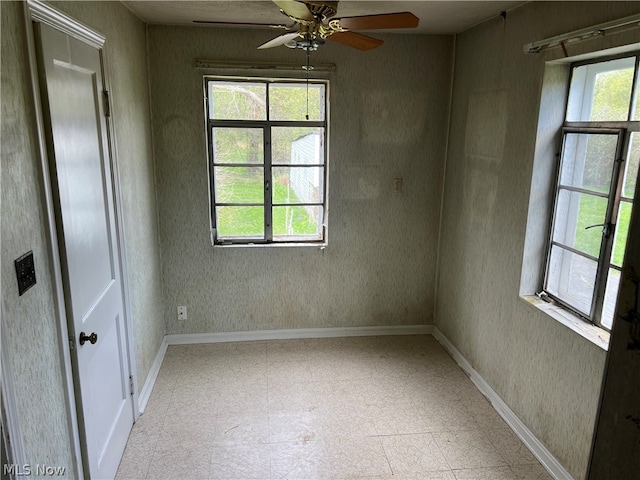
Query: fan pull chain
point(308, 67)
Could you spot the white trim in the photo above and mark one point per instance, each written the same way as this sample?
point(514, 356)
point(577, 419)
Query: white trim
point(191, 338)
point(120, 235)
point(147, 388)
point(537, 448)
point(54, 250)
point(41, 12)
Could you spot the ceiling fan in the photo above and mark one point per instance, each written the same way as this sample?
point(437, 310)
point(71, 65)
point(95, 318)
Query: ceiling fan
point(314, 22)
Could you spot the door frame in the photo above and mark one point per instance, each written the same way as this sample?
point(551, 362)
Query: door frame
point(36, 11)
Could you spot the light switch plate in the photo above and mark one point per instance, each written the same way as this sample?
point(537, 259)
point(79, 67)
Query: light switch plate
point(25, 272)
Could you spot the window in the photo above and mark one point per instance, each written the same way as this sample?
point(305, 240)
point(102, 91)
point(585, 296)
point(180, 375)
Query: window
point(597, 173)
point(268, 160)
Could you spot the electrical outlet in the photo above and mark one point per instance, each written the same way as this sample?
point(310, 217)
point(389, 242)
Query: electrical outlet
point(398, 184)
point(182, 312)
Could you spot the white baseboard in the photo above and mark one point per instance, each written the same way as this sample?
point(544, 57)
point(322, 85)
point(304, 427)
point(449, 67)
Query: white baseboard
point(190, 338)
point(544, 456)
point(145, 393)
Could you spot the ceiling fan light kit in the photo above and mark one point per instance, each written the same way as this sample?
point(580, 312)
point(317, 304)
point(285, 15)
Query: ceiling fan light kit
point(313, 24)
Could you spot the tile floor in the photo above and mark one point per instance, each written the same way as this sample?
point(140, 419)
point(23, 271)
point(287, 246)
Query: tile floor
point(395, 407)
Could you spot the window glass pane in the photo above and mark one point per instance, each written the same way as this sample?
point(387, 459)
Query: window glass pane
point(631, 166)
point(239, 184)
point(298, 184)
point(237, 145)
point(297, 221)
point(571, 277)
point(297, 145)
point(622, 231)
point(574, 213)
point(288, 101)
point(601, 92)
point(237, 101)
point(587, 161)
point(233, 222)
point(610, 298)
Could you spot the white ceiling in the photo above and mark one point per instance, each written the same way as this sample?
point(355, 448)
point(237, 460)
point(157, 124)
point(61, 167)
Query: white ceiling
point(436, 17)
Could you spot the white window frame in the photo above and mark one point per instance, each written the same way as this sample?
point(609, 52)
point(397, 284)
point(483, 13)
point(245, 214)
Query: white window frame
point(266, 125)
point(622, 129)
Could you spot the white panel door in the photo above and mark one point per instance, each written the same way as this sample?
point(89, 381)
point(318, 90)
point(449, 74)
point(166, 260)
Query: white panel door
point(71, 80)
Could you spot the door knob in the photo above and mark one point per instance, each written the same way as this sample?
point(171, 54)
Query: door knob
point(93, 338)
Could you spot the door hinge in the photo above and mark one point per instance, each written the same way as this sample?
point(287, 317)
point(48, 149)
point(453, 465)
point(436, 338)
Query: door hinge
point(131, 384)
point(107, 108)
point(72, 343)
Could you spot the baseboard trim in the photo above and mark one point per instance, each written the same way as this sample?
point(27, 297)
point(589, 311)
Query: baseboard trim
point(544, 456)
point(147, 388)
point(191, 338)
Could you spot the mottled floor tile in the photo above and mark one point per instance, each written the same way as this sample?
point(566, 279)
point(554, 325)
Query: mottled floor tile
point(468, 449)
point(250, 462)
point(413, 454)
point(241, 430)
point(285, 373)
point(180, 459)
point(378, 408)
point(137, 457)
point(530, 472)
point(291, 398)
point(438, 475)
point(299, 460)
point(511, 449)
point(354, 456)
point(487, 473)
point(398, 419)
point(299, 427)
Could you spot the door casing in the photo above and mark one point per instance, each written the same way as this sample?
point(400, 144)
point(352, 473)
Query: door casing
point(36, 11)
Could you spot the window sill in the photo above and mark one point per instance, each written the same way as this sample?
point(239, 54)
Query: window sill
point(595, 335)
point(320, 246)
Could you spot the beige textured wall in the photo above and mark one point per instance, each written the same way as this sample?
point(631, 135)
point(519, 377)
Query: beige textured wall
point(388, 119)
point(547, 374)
point(30, 320)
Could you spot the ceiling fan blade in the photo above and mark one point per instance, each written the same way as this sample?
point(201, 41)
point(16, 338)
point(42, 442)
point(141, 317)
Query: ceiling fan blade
point(295, 9)
point(385, 20)
point(281, 40)
point(242, 24)
point(355, 40)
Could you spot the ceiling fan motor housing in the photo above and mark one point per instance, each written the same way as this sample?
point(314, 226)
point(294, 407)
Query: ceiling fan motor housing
point(322, 10)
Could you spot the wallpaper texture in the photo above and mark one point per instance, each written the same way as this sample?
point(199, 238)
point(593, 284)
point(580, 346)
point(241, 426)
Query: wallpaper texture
point(30, 321)
point(547, 374)
point(388, 119)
